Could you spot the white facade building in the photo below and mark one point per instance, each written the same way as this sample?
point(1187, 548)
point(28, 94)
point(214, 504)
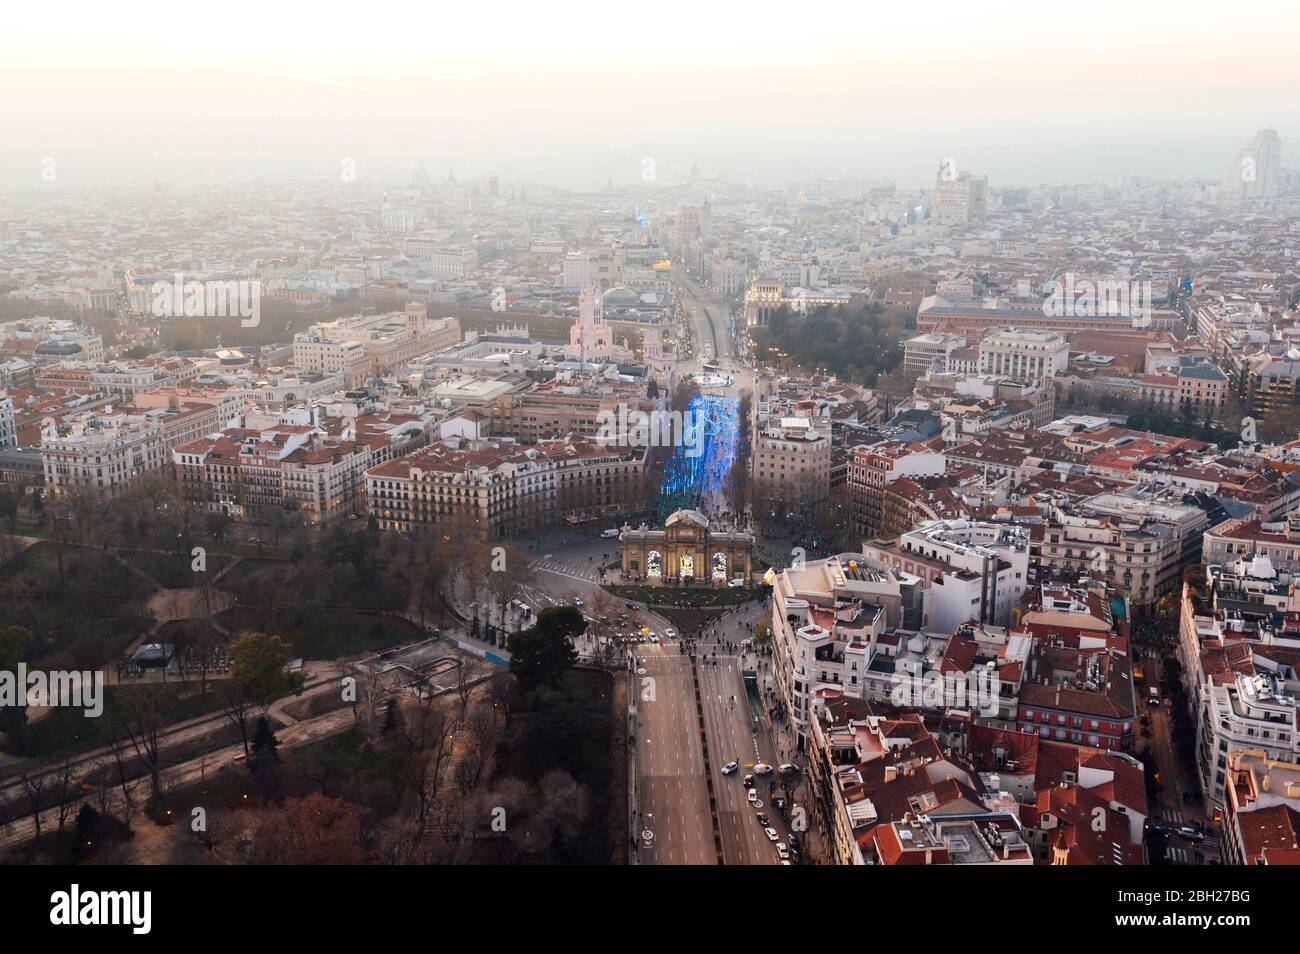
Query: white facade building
point(1024, 355)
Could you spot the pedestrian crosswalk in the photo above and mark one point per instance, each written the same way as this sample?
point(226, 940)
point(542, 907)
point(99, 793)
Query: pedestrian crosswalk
point(575, 569)
point(1185, 851)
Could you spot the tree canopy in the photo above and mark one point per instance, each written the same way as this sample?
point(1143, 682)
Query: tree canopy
point(540, 656)
point(259, 672)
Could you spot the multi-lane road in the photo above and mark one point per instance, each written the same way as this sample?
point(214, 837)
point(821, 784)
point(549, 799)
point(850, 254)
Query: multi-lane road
point(734, 735)
point(672, 794)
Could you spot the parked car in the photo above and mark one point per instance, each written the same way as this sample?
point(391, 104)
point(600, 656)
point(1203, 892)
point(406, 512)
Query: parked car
point(782, 851)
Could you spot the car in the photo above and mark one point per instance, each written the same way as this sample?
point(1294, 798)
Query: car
point(782, 851)
point(788, 768)
point(670, 633)
point(652, 636)
point(577, 601)
point(611, 533)
point(763, 820)
point(737, 583)
point(630, 605)
point(729, 768)
point(771, 834)
point(749, 780)
point(1190, 833)
point(762, 768)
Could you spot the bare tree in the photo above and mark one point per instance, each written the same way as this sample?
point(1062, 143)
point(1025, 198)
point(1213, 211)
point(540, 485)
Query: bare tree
point(64, 788)
point(126, 783)
point(33, 781)
point(428, 734)
point(141, 720)
point(482, 733)
point(466, 675)
point(504, 693)
point(237, 707)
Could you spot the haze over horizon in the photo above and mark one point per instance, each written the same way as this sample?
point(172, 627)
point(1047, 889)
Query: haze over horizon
point(577, 98)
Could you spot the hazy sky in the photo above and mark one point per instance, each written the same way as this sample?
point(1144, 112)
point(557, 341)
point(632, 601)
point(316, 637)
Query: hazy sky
point(575, 93)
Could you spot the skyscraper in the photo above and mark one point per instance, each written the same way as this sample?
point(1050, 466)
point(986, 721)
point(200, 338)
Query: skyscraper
point(960, 197)
point(1255, 170)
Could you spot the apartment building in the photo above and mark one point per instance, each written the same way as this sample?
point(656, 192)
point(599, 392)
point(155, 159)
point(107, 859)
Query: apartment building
point(825, 616)
point(1079, 695)
point(8, 429)
point(1239, 644)
point(1272, 382)
point(1261, 811)
point(969, 570)
point(252, 472)
point(44, 340)
point(791, 461)
point(923, 354)
point(1248, 537)
point(484, 490)
point(874, 466)
point(552, 412)
point(886, 792)
point(101, 450)
point(1061, 790)
point(368, 345)
point(1139, 547)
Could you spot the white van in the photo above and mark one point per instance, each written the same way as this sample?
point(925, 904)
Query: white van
point(610, 534)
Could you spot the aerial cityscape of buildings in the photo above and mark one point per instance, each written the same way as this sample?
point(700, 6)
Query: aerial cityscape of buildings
point(409, 514)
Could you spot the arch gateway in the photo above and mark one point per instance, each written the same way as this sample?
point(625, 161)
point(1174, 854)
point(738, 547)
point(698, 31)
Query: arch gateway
point(686, 550)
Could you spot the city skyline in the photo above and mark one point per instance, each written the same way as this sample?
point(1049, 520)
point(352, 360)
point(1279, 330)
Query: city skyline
point(1023, 94)
point(663, 436)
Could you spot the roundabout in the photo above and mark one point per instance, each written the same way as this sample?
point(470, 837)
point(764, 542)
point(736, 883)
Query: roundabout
point(714, 381)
